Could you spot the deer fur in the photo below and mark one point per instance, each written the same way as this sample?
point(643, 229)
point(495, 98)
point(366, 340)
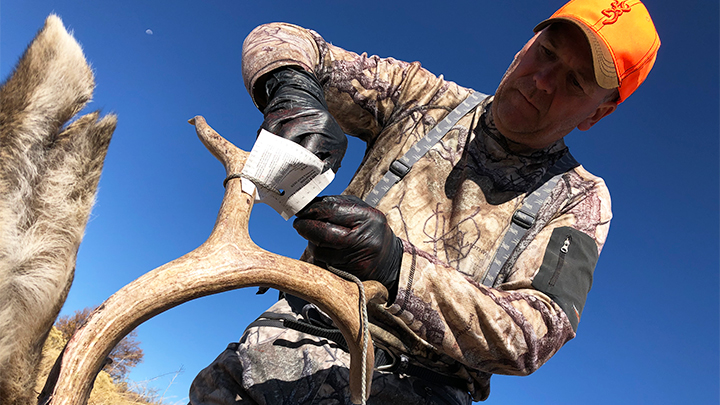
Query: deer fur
point(49, 171)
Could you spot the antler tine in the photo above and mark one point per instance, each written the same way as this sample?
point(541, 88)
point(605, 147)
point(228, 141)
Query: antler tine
point(232, 157)
point(227, 260)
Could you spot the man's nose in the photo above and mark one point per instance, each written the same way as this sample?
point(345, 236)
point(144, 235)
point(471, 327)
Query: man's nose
point(546, 78)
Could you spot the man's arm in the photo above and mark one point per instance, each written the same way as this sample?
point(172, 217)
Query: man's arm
point(364, 93)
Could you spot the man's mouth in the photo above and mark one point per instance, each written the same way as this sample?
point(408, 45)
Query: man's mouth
point(528, 100)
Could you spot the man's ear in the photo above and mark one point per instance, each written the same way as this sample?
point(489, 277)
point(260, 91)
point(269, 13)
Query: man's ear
point(601, 112)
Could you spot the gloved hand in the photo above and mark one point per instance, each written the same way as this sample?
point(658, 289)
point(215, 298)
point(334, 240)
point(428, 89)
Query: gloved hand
point(296, 110)
point(348, 234)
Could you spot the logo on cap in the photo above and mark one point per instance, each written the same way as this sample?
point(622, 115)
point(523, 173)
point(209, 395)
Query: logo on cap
point(616, 9)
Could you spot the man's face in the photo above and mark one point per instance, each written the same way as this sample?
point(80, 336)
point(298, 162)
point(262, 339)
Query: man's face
point(550, 89)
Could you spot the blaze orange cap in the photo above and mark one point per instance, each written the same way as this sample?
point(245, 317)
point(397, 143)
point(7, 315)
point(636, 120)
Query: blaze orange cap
point(622, 38)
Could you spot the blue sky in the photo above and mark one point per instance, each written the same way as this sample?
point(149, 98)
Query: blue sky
point(649, 333)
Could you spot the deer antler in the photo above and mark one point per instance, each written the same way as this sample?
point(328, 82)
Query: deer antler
point(227, 260)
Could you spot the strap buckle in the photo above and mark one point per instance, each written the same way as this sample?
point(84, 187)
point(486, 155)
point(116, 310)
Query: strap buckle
point(399, 168)
point(399, 364)
point(523, 219)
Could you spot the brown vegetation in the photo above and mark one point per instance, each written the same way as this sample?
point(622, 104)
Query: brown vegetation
point(107, 390)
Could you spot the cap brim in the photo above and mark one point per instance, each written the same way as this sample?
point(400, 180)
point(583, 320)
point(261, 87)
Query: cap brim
point(605, 72)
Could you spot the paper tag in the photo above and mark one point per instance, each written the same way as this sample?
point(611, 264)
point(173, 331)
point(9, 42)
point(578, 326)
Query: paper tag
point(287, 175)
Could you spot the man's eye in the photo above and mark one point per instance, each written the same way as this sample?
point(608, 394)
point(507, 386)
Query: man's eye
point(575, 83)
point(546, 51)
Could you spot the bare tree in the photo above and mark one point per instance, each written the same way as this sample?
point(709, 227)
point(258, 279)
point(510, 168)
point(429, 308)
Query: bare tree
point(124, 356)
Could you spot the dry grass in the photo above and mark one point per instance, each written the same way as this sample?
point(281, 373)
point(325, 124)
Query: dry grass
point(105, 391)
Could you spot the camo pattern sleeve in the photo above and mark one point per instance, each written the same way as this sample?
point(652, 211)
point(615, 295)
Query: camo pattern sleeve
point(364, 93)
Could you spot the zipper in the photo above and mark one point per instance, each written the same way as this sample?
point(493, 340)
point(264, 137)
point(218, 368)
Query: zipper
point(561, 260)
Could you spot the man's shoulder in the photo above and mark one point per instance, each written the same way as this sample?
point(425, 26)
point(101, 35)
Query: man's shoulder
point(580, 177)
point(584, 174)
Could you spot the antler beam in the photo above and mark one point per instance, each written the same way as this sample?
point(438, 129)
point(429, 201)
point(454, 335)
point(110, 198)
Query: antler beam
point(228, 260)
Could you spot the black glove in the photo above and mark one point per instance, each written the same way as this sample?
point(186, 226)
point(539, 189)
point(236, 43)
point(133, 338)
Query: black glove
point(296, 110)
point(348, 234)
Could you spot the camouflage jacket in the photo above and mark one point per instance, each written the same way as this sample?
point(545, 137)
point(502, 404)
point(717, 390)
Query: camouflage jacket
point(452, 210)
